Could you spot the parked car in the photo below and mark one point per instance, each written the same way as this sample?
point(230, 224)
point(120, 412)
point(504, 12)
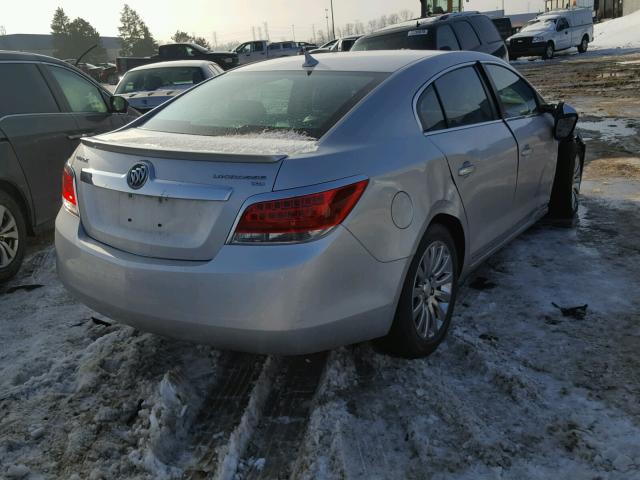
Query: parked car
point(148, 86)
point(306, 46)
point(179, 51)
point(109, 73)
point(289, 209)
point(260, 50)
point(46, 107)
point(340, 45)
point(452, 31)
point(504, 26)
point(551, 32)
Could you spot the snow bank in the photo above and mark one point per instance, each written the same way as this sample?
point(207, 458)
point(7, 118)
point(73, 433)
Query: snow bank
point(623, 32)
point(286, 142)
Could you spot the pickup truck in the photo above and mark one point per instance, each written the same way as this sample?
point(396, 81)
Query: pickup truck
point(179, 51)
point(259, 50)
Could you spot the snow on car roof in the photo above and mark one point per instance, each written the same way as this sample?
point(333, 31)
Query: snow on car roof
point(173, 63)
point(365, 61)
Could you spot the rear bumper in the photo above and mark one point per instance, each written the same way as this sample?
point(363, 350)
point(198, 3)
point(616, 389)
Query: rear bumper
point(288, 300)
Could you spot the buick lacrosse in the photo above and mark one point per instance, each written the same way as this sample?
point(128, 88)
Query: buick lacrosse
point(300, 204)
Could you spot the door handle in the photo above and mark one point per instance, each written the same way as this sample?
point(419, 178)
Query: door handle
point(466, 169)
point(78, 136)
point(526, 151)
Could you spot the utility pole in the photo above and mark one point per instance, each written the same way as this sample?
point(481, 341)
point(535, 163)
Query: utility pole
point(214, 37)
point(333, 21)
point(313, 28)
point(326, 14)
point(266, 31)
point(253, 32)
point(293, 30)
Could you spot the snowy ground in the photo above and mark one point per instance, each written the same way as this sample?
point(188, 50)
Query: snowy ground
point(518, 390)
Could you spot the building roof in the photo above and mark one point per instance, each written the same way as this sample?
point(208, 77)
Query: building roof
point(39, 42)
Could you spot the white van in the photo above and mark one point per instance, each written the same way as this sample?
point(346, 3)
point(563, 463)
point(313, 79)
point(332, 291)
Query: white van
point(553, 31)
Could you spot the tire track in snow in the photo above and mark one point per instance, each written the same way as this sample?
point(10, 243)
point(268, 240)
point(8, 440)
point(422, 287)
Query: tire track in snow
point(229, 413)
point(276, 442)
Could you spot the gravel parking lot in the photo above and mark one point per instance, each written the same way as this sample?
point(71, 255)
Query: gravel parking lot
point(539, 377)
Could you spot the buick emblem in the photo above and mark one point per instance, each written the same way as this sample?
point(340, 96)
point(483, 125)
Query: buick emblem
point(138, 175)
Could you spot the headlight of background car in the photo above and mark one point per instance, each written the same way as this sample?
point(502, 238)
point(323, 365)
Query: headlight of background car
point(537, 39)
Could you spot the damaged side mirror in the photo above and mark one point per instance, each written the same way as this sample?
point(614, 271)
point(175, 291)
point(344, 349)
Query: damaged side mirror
point(566, 119)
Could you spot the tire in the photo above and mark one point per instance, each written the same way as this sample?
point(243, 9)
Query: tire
point(548, 51)
point(13, 234)
point(584, 44)
point(565, 194)
point(420, 337)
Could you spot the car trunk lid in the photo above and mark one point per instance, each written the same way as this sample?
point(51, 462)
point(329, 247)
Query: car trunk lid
point(193, 192)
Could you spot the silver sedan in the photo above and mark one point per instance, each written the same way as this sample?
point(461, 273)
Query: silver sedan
point(290, 207)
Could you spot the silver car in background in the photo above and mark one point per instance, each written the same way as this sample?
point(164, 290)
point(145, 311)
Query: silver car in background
point(289, 208)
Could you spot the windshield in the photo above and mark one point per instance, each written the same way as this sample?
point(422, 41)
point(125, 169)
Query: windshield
point(162, 78)
point(418, 39)
point(253, 102)
point(540, 24)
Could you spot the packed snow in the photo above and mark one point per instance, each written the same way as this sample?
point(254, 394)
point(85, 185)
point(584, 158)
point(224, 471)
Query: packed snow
point(287, 142)
point(623, 33)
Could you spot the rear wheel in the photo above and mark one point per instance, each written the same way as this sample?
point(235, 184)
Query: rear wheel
point(12, 236)
point(428, 296)
point(565, 195)
point(584, 44)
point(548, 51)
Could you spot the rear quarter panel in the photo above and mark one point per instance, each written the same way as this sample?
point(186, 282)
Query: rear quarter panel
point(381, 139)
point(11, 174)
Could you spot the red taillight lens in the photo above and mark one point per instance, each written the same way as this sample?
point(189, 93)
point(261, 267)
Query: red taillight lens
point(297, 219)
point(69, 199)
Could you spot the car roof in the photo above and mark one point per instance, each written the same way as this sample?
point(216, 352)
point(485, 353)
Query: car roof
point(418, 23)
point(173, 64)
point(365, 61)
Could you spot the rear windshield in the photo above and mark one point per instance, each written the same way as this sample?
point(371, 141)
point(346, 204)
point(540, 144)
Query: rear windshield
point(253, 102)
point(418, 39)
point(160, 79)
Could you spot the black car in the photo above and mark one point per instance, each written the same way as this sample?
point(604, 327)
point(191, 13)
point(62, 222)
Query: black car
point(452, 31)
point(46, 106)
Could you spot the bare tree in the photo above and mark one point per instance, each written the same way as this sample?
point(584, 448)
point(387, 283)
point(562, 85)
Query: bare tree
point(406, 15)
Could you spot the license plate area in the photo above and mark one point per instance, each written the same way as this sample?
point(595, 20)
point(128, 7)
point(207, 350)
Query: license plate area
point(152, 214)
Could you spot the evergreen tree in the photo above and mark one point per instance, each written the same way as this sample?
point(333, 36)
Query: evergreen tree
point(82, 36)
point(60, 34)
point(135, 37)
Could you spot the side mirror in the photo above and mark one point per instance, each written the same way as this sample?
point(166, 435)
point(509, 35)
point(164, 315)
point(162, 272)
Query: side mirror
point(118, 104)
point(566, 119)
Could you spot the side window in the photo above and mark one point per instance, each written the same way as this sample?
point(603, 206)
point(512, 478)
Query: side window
point(81, 94)
point(562, 24)
point(516, 97)
point(464, 98)
point(446, 40)
point(244, 48)
point(430, 111)
point(468, 38)
point(486, 29)
point(23, 90)
point(258, 47)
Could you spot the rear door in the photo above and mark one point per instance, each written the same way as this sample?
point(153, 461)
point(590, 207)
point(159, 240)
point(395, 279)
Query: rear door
point(40, 133)
point(459, 117)
point(533, 130)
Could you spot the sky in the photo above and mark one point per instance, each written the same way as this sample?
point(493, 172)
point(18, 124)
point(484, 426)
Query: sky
point(232, 20)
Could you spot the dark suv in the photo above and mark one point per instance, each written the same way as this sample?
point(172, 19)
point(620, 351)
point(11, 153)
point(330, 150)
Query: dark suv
point(452, 31)
point(46, 106)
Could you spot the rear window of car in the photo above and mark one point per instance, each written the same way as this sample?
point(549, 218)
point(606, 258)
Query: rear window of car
point(417, 39)
point(486, 29)
point(467, 36)
point(23, 90)
point(253, 102)
point(162, 78)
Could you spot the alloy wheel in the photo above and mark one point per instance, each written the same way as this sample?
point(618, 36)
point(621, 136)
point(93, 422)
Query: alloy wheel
point(9, 237)
point(432, 287)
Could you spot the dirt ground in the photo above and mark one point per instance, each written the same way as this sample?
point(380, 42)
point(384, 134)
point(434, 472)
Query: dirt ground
point(539, 377)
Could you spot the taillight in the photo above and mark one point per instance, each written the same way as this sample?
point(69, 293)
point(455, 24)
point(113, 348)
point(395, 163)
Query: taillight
point(69, 199)
point(297, 219)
